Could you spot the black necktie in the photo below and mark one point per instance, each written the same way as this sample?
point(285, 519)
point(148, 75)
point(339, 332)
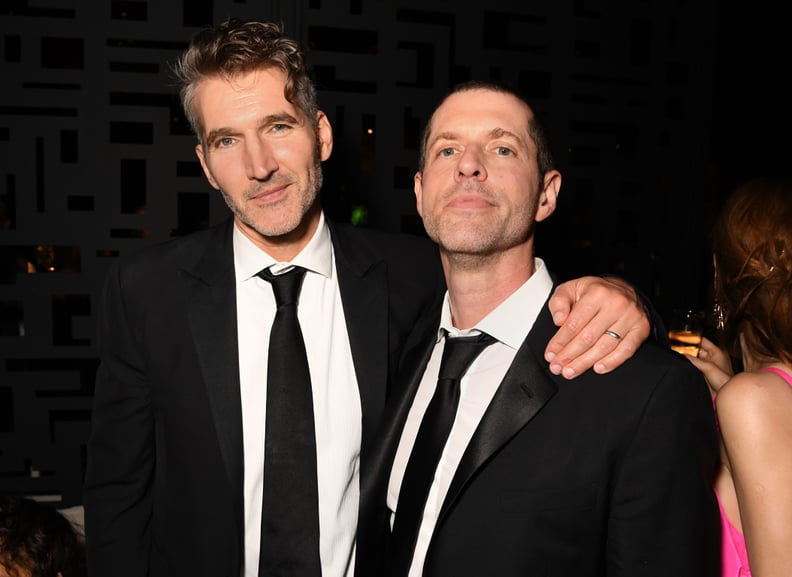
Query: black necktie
point(290, 504)
point(458, 354)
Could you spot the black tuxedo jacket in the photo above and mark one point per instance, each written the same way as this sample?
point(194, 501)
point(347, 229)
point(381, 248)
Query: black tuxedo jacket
point(601, 475)
point(164, 480)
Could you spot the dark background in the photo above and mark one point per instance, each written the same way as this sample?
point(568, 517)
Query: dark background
point(656, 110)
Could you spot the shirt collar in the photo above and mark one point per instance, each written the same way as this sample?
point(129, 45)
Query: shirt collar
point(513, 319)
point(317, 256)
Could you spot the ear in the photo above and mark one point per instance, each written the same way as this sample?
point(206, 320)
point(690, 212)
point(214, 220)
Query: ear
point(199, 151)
point(549, 195)
point(324, 133)
point(418, 188)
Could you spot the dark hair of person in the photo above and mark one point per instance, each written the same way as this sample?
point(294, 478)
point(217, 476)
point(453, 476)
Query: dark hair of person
point(536, 131)
point(752, 244)
point(37, 537)
point(237, 47)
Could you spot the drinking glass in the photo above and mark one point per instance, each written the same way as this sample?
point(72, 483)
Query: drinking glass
point(684, 330)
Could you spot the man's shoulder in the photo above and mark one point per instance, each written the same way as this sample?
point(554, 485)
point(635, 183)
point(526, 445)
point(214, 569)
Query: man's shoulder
point(654, 368)
point(370, 242)
point(653, 358)
point(207, 253)
point(651, 366)
point(183, 249)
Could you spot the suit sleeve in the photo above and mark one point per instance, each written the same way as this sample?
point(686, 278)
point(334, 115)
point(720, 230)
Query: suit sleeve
point(120, 459)
point(664, 516)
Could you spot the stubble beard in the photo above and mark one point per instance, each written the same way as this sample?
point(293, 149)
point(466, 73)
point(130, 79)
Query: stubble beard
point(285, 217)
point(471, 239)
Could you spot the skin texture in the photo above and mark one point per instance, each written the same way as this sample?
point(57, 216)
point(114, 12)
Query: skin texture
point(755, 479)
point(260, 151)
point(479, 195)
point(581, 343)
point(263, 155)
point(754, 412)
point(714, 363)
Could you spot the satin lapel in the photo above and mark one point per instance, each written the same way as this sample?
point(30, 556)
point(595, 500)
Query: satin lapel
point(210, 293)
point(375, 470)
point(395, 415)
point(363, 282)
point(525, 389)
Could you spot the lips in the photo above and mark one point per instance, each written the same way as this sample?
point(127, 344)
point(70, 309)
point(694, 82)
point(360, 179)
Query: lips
point(271, 194)
point(465, 200)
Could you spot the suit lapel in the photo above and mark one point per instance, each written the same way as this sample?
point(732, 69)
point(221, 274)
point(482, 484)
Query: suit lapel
point(210, 293)
point(394, 418)
point(525, 389)
point(375, 470)
point(363, 282)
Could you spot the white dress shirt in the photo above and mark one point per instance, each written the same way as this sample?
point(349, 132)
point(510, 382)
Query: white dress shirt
point(509, 323)
point(336, 398)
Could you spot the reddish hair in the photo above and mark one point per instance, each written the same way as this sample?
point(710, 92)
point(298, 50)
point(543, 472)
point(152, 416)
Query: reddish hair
point(752, 241)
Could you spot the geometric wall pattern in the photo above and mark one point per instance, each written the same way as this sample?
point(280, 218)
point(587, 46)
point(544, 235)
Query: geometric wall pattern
point(96, 159)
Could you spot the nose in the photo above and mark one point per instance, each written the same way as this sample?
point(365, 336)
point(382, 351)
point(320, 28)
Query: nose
point(260, 162)
point(471, 165)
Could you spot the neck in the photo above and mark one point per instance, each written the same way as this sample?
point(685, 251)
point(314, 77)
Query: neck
point(477, 285)
point(285, 247)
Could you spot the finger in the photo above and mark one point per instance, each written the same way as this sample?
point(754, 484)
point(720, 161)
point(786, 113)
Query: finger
point(707, 347)
point(576, 336)
point(603, 356)
point(714, 376)
point(561, 302)
point(577, 329)
point(602, 306)
point(579, 299)
point(589, 346)
point(586, 326)
point(713, 353)
point(625, 349)
point(700, 363)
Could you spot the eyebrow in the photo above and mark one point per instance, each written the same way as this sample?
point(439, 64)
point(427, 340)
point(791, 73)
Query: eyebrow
point(217, 134)
point(494, 133)
point(281, 117)
point(502, 132)
point(278, 118)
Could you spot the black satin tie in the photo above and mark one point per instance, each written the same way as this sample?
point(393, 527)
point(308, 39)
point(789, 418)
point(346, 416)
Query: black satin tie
point(458, 354)
point(290, 504)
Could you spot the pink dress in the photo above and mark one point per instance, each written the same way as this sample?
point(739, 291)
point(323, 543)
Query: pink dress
point(734, 556)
